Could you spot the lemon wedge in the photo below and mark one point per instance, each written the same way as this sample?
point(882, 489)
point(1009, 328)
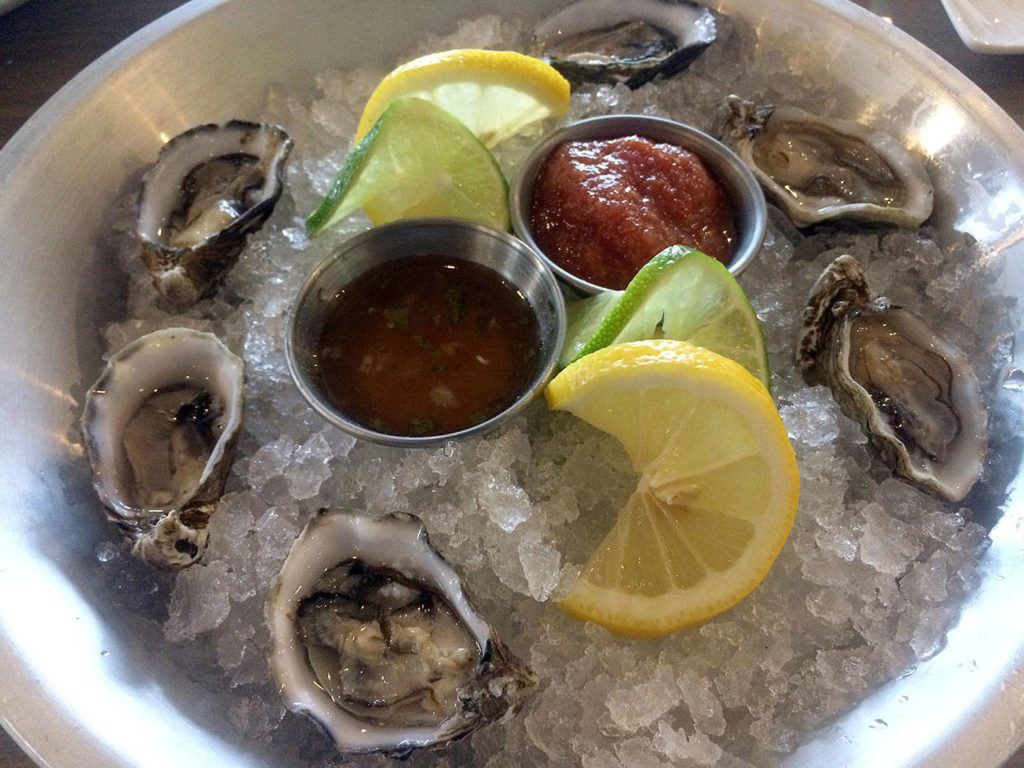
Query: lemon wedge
point(717, 492)
point(493, 93)
point(418, 160)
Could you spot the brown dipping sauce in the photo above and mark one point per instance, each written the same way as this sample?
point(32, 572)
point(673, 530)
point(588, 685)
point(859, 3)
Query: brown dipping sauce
point(602, 209)
point(427, 345)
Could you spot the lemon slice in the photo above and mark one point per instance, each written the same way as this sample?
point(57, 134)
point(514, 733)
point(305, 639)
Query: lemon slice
point(418, 160)
point(717, 492)
point(493, 93)
point(679, 294)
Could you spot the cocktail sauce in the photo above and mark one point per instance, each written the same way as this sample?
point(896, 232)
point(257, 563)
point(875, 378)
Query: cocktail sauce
point(427, 345)
point(601, 209)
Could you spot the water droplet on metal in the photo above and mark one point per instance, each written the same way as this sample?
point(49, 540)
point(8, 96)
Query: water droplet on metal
point(106, 551)
point(1014, 380)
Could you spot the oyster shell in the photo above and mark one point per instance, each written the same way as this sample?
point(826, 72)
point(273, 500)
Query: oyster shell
point(374, 638)
point(628, 41)
point(210, 188)
point(819, 169)
point(159, 426)
point(914, 394)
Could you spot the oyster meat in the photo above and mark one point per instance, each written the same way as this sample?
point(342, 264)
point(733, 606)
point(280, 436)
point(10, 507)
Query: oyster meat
point(914, 394)
point(159, 426)
point(373, 636)
point(628, 41)
point(210, 188)
point(818, 169)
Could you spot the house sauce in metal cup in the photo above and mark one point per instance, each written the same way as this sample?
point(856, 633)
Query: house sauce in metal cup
point(427, 345)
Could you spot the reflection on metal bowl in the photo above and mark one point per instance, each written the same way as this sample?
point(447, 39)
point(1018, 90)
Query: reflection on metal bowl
point(80, 146)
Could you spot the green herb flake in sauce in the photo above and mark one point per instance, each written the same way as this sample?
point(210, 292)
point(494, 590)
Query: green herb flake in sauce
point(397, 317)
point(421, 425)
point(456, 305)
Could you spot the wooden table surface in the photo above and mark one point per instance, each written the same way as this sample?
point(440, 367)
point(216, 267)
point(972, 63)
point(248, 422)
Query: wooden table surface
point(44, 43)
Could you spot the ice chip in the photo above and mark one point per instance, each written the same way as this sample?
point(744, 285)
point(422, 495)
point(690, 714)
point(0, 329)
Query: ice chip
point(641, 705)
point(199, 603)
point(541, 564)
point(639, 752)
point(679, 747)
point(930, 630)
point(231, 646)
point(504, 501)
point(270, 461)
point(311, 466)
point(276, 529)
point(704, 705)
point(886, 543)
point(927, 581)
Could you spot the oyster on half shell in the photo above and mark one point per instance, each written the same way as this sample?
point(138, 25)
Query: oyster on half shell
point(627, 41)
point(210, 188)
point(819, 169)
point(914, 394)
point(373, 636)
point(159, 426)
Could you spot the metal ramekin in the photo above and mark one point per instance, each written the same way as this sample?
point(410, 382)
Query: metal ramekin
point(455, 238)
point(740, 185)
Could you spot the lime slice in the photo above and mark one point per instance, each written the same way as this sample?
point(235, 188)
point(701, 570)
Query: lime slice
point(717, 489)
point(417, 160)
point(679, 294)
point(494, 93)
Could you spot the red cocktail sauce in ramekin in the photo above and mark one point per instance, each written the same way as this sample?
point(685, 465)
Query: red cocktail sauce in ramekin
point(602, 208)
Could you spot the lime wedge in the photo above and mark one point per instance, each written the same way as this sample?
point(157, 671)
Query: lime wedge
point(680, 294)
point(417, 160)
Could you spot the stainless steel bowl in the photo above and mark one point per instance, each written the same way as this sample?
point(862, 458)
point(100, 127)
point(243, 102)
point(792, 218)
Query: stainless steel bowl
point(453, 238)
point(88, 680)
point(740, 185)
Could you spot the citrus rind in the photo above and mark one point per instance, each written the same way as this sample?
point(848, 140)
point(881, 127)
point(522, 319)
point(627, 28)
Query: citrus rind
point(679, 294)
point(494, 93)
point(417, 161)
point(717, 491)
